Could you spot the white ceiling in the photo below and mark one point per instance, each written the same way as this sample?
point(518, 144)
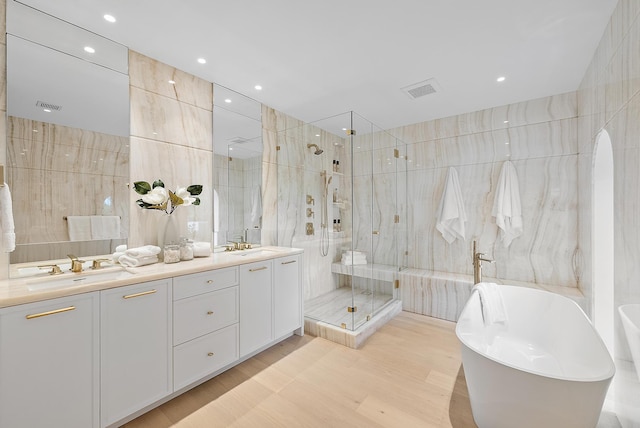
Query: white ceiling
point(318, 59)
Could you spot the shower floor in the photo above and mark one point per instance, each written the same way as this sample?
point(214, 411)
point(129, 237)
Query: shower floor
point(331, 307)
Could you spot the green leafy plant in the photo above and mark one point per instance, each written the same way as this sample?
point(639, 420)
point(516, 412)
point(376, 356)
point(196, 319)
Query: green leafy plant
point(156, 197)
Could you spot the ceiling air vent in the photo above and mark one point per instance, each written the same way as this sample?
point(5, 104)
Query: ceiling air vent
point(49, 106)
point(422, 89)
point(238, 140)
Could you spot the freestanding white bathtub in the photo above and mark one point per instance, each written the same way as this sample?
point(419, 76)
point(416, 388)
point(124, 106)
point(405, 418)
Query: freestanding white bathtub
point(630, 316)
point(546, 367)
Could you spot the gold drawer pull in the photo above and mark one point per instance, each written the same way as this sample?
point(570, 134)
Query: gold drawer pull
point(55, 311)
point(209, 312)
point(210, 354)
point(289, 262)
point(144, 293)
point(257, 269)
point(210, 281)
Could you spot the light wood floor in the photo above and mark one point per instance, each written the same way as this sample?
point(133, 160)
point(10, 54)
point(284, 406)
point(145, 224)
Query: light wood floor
point(408, 374)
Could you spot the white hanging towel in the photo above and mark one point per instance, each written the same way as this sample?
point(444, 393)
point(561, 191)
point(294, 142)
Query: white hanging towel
point(105, 226)
point(256, 206)
point(79, 227)
point(451, 213)
point(6, 220)
point(506, 206)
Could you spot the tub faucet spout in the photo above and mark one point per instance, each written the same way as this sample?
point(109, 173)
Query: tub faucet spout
point(478, 258)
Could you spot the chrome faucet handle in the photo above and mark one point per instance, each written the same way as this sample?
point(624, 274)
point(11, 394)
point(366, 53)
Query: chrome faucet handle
point(55, 269)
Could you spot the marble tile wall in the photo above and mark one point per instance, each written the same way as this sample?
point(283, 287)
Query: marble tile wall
point(64, 171)
point(171, 139)
point(609, 99)
point(290, 172)
point(540, 138)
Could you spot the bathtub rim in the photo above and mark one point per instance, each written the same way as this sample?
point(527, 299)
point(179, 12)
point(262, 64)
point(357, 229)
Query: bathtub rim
point(607, 376)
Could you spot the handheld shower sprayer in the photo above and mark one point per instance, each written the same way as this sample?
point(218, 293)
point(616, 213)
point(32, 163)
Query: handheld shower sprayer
point(318, 149)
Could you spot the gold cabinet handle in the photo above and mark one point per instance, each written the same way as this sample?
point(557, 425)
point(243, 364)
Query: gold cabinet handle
point(210, 281)
point(289, 262)
point(55, 311)
point(257, 269)
point(209, 312)
point(144, 293)
point(376, 232)
point(210, 354)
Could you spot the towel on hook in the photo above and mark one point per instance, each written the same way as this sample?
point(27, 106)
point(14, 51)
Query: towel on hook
point(6, 220)
point(79, 227)
point(493, 310)
point(451, 213)
point(506, 206)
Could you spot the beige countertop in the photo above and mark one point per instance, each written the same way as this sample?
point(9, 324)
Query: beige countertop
point(18, 291)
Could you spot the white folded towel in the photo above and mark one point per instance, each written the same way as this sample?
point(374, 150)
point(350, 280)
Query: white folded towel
point(6, 220)
point(360, 259)
point(79, 227)
point(115, 257)
point(144, 251)
point(121, 248)
point(506, 205)
point(201, 249)
point(127, 261)
point(105, 226)
point(451, 213)
point(493, 310)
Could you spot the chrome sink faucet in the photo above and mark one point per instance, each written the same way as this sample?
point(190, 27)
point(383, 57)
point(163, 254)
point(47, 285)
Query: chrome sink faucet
point(478, 258)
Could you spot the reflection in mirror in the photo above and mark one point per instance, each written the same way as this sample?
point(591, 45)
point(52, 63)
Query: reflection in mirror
point(67, 138)
point(237, 140)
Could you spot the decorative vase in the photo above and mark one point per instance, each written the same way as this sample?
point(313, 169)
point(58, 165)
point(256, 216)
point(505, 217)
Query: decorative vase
point(168, 230)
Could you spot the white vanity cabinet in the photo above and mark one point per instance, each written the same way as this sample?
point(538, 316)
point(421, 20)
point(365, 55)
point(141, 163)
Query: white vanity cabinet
point(205, 324)
point(136, 342)
point(49, 363)
point(287, 295)
point(270, 301)
point(256, 306)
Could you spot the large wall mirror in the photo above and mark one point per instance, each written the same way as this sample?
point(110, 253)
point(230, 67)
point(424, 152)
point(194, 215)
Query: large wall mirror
point(67, 138)
point(237, 141)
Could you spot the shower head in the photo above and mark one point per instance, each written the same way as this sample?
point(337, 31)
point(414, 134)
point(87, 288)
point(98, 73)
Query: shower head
point(318, 149)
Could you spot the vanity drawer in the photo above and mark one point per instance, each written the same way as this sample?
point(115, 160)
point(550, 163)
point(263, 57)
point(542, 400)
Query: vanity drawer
point(200, 357)
point(198, 315)
point(199, 283)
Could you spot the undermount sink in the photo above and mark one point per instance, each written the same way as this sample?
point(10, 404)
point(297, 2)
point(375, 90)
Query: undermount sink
point(68, 279)
point(252, 252)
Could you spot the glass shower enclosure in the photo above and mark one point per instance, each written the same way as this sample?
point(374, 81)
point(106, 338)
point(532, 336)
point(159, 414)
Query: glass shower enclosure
point(342, 198)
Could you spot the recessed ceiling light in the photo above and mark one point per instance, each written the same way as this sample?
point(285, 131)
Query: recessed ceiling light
point(507, 143)
point(109, 18)
point(47, 110)
point(35, 130)
point(500, 79)
point(202, 60)
point(230, 148)
point(258, 88)
point(506, 121)
point(89, 49)
point(227, 101)
point(317, 135)
point(344, 129)
point(173, 82)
